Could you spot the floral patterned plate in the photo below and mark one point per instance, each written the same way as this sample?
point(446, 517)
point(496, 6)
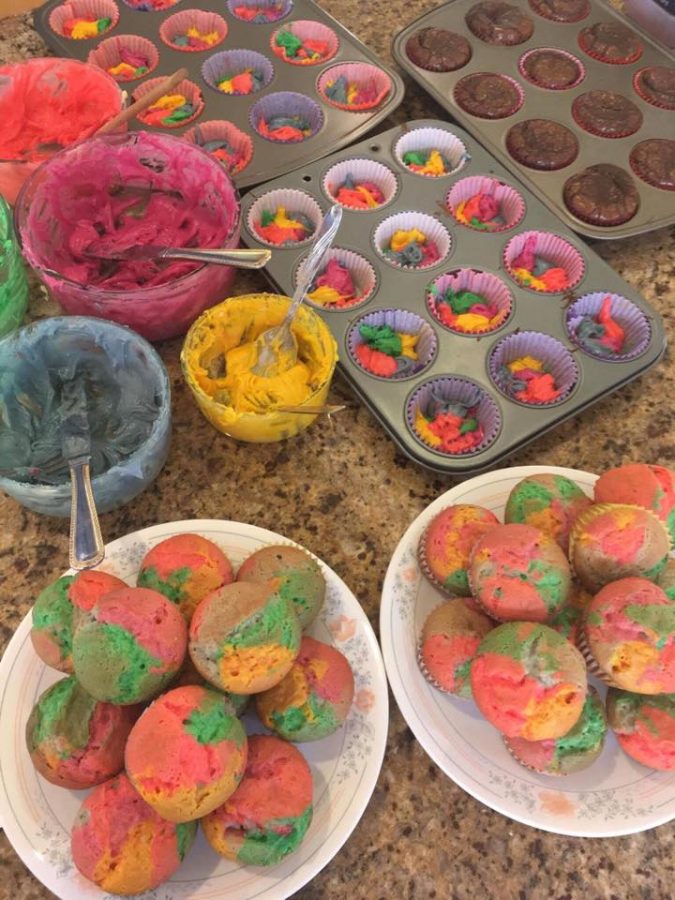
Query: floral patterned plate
point(37, 816)
point(612, 797)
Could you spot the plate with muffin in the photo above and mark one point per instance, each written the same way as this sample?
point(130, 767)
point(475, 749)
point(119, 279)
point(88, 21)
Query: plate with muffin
point(528, 632)
point(204, 715)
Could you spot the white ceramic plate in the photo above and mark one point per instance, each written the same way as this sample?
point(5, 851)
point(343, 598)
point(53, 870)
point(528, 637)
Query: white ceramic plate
point(614, 796)
point(37, 816)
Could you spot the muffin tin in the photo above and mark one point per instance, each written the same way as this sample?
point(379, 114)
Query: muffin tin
point(449, 357)
point(335, 127)
point(657, 206)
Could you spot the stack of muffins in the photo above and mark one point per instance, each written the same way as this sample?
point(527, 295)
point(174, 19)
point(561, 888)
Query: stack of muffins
point(148, 715)
point(568, 587)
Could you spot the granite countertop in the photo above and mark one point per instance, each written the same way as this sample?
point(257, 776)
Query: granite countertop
point(345, 492)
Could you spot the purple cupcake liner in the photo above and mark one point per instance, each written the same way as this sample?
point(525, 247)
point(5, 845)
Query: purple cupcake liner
point(556, 358)
point(405, 221)
point(511, 203)
point(205, 22)
point(227, 63)
point(109, 53)
point(275, 10)
point(286, 103)
point(362, 273)
point(403, 321)
point(484, 284)
point(556, 251)
point(635, 323)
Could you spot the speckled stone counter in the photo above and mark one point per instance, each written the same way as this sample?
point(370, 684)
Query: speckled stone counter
point(344, 491)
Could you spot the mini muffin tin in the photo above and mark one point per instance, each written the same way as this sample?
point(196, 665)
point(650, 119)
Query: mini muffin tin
point(337, 127)
point(452, 355)
point(657, 207)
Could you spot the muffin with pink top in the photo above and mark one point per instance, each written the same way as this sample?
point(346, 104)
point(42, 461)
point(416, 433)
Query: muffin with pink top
point(448, 643)
point(640, 484)
point(644, 727)
point(446, 544)
point(549, 502)
point(519, 573)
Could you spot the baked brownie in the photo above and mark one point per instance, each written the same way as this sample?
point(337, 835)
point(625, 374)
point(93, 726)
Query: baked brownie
point(561, 10)
point(487, 95)
point(654, 162)
point(656, 85)
point(606, 114)
point(610, 42)
point(602, 195)
point(551, 69)
point(542, 144)
point(499, 23)
point(438, 50)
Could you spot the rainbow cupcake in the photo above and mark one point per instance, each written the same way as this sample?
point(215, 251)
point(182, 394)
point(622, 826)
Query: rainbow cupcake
point(644, 727)
point(450, 638)
point(446, 544)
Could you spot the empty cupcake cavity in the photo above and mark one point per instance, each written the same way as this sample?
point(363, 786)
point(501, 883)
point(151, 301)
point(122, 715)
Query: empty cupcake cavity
point(392, 344)
point(608, 326)
point(193, 30)
point(360, 184)
point(354, 86)
point(469, 301)
point(431, 152)
point(125, 57)
point(484, 203)
point(345, 281)
point(284, 218)
point(543, 262)
point(259, 12)
point(84, 19)
point(286, 117)
point(305, 43)
point(412, 240)
point(182, 105)
point(533, 368)
point(548, 80)
point(231, 147)
point(237, 72)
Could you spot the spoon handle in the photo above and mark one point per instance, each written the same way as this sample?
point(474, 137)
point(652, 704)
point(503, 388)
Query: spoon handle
point(86, 548)
point(328, 230)
point(242, 259)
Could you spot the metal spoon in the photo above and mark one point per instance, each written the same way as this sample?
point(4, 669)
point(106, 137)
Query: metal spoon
point(242, 258)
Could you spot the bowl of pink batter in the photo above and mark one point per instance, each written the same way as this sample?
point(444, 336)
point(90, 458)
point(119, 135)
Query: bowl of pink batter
point(114, 193)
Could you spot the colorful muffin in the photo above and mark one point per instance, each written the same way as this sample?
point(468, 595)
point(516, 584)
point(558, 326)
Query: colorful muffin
point(122, 845)
point(488, 95)
point(75, 741)
point(314, 699)
point(654, 162)
point(438, 50)
point(518, 572)
point(185, 568)
point(611, 42)
point(644, 727)
point(300, 578)
point(199, 760)
point(129, 646)
point(189, 675)
point(268, 815)
point(602, 195)
point(640, 484)
point(629, 636)
point(528, 681)
point(446, 544)
point(572, 752)
point(568, 623)
point(499, 23)
point(666, 580)
point(542, 144)
point(612, 540)
point(245, 637)
point(88, 586)
point(448, 643)
point(549, 502)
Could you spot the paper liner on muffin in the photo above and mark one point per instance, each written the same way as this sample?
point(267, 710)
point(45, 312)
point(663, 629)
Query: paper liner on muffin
point(525, 765)
point(591, 662)
point(361, 170)
point(555, 250)
point(459, 390)
point(75, 9)
point(511, 203)
point(150, 5)
point(625, 61)
point(293, 202)
point(637, 87)
point(227, 63)
point(428, 138)
point(107, 55)
point(588, 126)
point(429, 677)
point(363, 276)
point(203, 21)
point(279, 9)
point(360, 73)
point(631, 318)
point(641, 174)
point(585, 11)
point(558, 51)
point(307, 30)
point(486, 115)
point(405, 221)
point(187, 88)
point(425, 569)
point(556, 358)
point(286, 103)
point(483, 284)
point(223, 130)
point(403, 321)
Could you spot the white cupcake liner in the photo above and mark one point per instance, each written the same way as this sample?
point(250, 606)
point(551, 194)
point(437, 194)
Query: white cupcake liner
point(359, 73)
point(463, 391)
point(404, 221)
point(511, 203)
point(227, 63)
point(286, 103)
point(567, 87)
point(403, 321)
point(363, 276)
point(107, 54)
point(188, 88)
point(361, 170)
point(556, 358)
point(447, 143)
point(204, 21)
point(631, 318)
point(98, 9)
point(217, 129)
point(555, 250)
point(279, 9)
point(485, 284)
point(293, 202)
point(307, 30)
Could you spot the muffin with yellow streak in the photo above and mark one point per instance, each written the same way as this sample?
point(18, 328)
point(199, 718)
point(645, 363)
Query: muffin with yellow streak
point(245, 637)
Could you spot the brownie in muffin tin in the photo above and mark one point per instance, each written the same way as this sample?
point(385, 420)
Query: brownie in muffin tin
point(438, 50)
point(656, 85)
point(654, 162)
point(552, 69)
point(602, 195)
point(561, 10)
point(610, 42)
point(499, 23)
point(542, 144)
point(606, 114)
point(488, 95)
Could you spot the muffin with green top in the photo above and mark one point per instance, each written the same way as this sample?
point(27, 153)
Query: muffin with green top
point(549, 502)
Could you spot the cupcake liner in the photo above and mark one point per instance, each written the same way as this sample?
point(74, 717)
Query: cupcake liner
point(626, 61)
point(204, 22)
point(555, 250)
point(556, 358)
point(427, 139)
point(637, 82)
point(560, 52)
point(286, 103)
point(360, 73)
point(459, 390)
point(424, 565)
point(591, 663)
point(403, 321)
point(293, 202)
point(275, 10)
point(588, 127)
point(585, 11)
point(363, 276)
point(404, 221)
point(150, 5)
point(97, 9)
point(644, 175)
point(484, 284)
point(187, 88)
point(227, 63)
point(527, 765)
point(360, 170)
point(108, 54)
point(307, 30)
point(487, 115)
point(222, 130)
point(511, 203)
point(432, 681)
point(631, 318)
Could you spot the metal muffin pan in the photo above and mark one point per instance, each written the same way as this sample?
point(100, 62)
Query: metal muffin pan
point(270, 159)
point(457, 355)
point(657, 207)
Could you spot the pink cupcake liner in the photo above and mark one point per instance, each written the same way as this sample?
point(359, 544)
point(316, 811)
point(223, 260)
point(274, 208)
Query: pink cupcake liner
point(428, 139)
point(215, 130)
point(634, 322)
point(511, 203)
point(269, 10)
point(486, 114)
point(286, 103)
point(457, 390)
point(293, 202)
point(586, 125)
point(227, 63)
point(204, 22)
point(405, 221)
point(363, 74)
point(556, 251)
point(74, 9)
point(150, 5)
point(400, 320)
point(584, 12)
point(307, 30)
point(485, 284)
point(557, 360)
point(637, 87)
point(361, 170)
point(566, 87)
point(362, 273)
point(187, 88)
point(108, 54)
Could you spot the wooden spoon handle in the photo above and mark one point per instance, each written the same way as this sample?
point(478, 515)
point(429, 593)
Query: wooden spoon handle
point(143, 102)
